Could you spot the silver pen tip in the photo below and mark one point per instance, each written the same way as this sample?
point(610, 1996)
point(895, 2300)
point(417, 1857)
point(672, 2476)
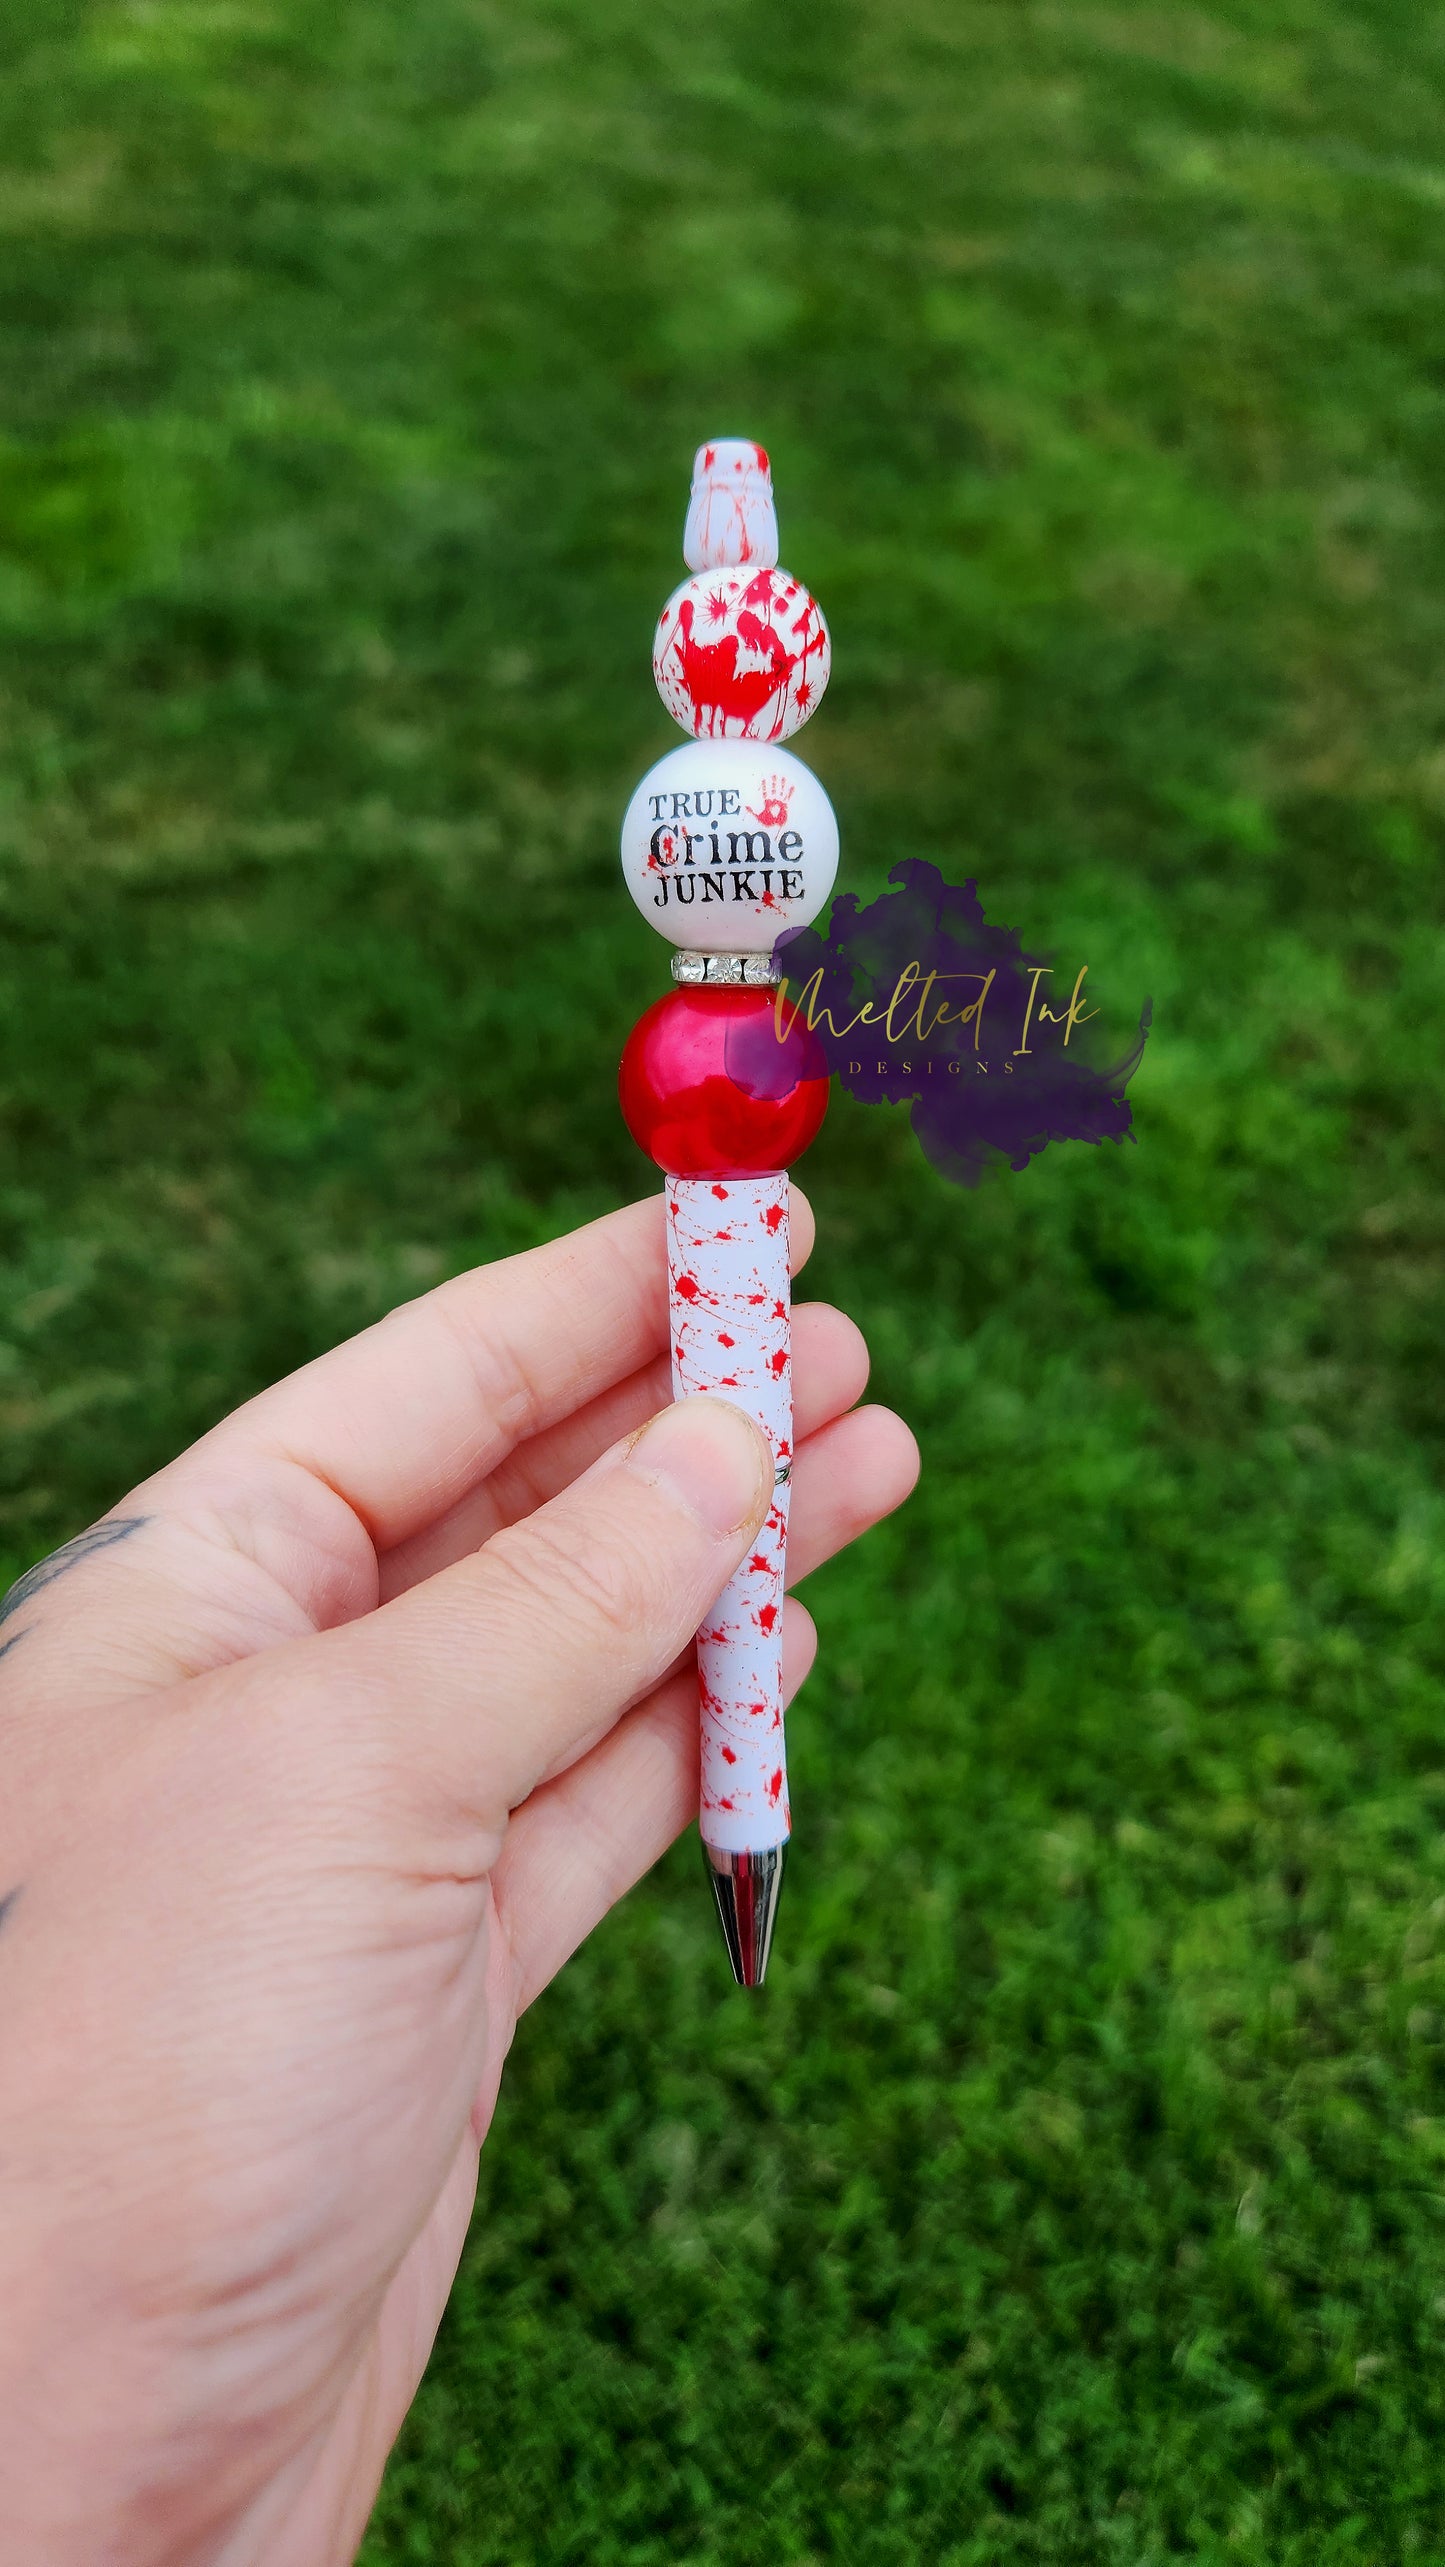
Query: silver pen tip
point(746, 1888)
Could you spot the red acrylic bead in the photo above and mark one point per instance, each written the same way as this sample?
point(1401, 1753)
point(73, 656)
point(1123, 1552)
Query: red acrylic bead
point(709, 1089)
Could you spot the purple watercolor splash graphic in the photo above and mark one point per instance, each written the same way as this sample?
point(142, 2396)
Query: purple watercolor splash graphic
point(996, 1054)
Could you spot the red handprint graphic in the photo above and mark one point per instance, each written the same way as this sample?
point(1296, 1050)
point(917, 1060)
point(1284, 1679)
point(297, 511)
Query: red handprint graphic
point(777, 794)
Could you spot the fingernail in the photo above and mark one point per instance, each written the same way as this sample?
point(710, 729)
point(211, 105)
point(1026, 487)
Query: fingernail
point(712, 1458)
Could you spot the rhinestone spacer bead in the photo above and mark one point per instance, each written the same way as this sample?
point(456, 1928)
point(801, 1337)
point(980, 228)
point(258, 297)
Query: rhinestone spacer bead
point(726, 971)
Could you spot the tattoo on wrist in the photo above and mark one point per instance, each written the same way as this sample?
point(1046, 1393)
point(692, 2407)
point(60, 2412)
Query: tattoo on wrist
point(97, 1537)
point(6, 1904)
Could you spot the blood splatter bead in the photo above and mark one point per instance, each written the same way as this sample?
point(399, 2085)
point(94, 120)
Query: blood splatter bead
point(709, 1090)
point(741, 655)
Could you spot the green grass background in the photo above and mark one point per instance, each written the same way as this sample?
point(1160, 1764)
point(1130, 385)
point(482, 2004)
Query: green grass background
point(1077, 2191)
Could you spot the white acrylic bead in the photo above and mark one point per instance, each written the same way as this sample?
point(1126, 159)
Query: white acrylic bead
point(741, 654)
point(730, 516)
point(727, 844)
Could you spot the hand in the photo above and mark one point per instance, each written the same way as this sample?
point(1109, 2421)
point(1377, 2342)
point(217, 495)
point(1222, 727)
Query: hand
point(322, 1753)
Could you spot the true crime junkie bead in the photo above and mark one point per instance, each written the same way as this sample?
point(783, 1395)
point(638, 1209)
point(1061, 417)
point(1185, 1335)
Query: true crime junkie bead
point(729, 844)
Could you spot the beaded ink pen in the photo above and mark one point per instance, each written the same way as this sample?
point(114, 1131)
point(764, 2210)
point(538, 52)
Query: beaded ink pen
point(730, 844)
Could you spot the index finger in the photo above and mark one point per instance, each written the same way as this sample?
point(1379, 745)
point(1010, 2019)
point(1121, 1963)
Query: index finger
point(405, 1419)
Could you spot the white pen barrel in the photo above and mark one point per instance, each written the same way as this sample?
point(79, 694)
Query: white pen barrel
point(728, 1291)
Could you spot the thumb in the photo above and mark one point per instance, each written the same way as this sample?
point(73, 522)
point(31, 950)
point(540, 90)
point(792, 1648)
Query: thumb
point(503, 1669)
